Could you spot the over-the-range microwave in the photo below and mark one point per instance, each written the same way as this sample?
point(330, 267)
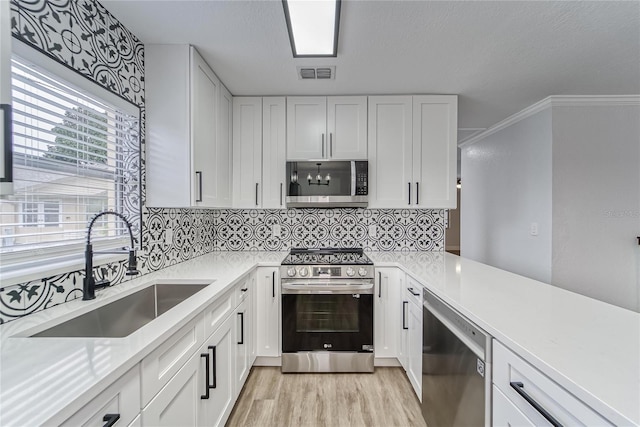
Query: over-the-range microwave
point(327, 184)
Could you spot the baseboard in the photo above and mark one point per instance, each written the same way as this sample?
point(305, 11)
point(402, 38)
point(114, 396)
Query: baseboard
point(383, 362)
point(267, 361)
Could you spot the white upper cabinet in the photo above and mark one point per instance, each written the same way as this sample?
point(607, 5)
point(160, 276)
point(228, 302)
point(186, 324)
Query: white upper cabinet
point(274, 143)
point(347, 127)
point(187, 158)
point(332, 128)
point(5, 97)
point(247, 152)
point(412, 151)
point(390, 151)
point(224, 158)
point(435, 122)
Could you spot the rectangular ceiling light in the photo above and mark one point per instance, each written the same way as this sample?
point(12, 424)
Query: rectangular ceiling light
point(313, 27)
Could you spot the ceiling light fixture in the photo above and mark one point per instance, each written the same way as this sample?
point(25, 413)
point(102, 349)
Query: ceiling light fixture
point(313, 27)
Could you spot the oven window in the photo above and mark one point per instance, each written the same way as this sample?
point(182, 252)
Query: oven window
point(327, 313)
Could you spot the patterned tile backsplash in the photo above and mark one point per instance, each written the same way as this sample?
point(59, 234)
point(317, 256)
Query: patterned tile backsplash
point(103, 50)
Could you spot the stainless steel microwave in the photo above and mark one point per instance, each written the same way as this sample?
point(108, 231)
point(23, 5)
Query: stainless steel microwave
point(327, 184)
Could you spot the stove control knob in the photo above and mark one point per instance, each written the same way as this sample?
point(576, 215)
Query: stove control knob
point(362, 271)
point(291, 272)
point(350, 272)
point(303, 272)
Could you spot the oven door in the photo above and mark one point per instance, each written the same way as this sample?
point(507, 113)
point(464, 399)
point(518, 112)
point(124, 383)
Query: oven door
point(327, 316)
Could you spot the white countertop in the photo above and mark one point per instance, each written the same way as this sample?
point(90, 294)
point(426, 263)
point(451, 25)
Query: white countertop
point(590, 348)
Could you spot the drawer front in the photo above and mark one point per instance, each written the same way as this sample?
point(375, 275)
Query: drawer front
point(506, 413)
point(121, 398)
point(242, 288)
point(413, 291)
point(219, 310)
point(163, 363)
point(552, 399)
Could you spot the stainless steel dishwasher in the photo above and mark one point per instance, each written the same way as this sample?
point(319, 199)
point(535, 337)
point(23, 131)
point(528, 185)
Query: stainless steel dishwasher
point(456, 368)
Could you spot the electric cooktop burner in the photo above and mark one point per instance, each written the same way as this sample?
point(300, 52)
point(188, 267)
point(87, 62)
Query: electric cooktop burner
point(326, 256)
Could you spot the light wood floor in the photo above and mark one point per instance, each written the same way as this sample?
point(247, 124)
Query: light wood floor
point(270, 398)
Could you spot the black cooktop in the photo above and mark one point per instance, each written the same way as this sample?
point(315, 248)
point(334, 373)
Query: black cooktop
point(327, 256)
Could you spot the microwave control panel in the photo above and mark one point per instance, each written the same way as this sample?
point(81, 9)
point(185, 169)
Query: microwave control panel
point(362, 177)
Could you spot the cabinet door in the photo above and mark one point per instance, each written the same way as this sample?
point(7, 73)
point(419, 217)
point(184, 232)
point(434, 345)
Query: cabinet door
point(306, 128)
point(205, 88)
point(179, 403)
point(122, 398)
point(243, 343)
point(268, 312)
point(390, 151)
point(5, 97)
point(222, 397)
point(386, 313)
point(403, 327)
point(347, 127)
point(247, 152)
point(505, 413)
point(274, 146)
point(435, 123)
point(224, 158)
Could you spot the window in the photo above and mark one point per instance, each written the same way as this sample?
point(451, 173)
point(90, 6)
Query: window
point(74, 154)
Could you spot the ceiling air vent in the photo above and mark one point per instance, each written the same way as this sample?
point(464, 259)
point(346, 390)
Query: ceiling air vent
point(306, 73)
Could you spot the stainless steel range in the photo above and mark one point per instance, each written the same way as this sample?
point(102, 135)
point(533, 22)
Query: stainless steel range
point(327, 310)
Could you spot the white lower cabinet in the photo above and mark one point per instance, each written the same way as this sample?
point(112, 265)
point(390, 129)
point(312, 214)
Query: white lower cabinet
point(243, 340)
point(412, 333)
point(386, 313)
point(525, 396)
point(222, 395)
point(267, 312)
point(120, 400)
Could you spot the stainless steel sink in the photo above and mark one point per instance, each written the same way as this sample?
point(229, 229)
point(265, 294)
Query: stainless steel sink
point(126, 315)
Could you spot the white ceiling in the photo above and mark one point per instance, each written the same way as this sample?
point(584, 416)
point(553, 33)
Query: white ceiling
point(499, 56)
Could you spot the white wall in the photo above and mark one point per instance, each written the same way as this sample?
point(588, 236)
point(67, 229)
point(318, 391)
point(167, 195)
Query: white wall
point(506, 186)
point(596, 202)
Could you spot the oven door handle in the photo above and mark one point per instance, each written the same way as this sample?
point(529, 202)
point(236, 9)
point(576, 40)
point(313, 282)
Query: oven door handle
point(327, 289)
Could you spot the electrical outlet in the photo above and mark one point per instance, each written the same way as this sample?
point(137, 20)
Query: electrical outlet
point(275, 230)
point(373, 231)
point(533, 230)
point(168, 236)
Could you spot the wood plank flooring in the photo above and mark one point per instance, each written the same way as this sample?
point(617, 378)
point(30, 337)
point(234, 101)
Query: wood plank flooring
point(270, 398)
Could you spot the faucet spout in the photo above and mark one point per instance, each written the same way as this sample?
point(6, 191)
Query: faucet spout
point(89, 283)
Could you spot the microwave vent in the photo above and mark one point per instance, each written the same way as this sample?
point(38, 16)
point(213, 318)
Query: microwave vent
point(316, 73)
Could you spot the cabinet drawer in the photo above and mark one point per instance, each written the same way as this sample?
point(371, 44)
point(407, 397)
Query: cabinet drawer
point(163, 363)
point(121, 398)
point(215, 314)
point(413, 291)
point(564, 407)
point(242, 288)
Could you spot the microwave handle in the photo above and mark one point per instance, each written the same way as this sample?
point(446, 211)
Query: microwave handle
point(353, 178)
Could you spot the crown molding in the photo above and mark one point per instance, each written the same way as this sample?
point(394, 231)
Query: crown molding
point(555, 101)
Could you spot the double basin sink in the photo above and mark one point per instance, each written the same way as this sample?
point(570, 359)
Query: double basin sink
point(126, 315)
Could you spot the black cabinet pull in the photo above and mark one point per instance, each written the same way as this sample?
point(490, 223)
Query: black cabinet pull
point(199, 174)
point(206, 375)
point(110, 419)
point(417, 193)
point(323, 145)
point(404, 317)
point(244, 289)
point(273, 284)
point(379, 285)
point(241, 314)
point(257, 194)
point(409, 194)
point(519, 388)
point(6, 143)
point(330, 144)
point(280, 194)
point(214, 365)
point(639, 240)
point(415, 294)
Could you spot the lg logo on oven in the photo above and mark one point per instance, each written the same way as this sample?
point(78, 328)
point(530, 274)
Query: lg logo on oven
point(328, 346)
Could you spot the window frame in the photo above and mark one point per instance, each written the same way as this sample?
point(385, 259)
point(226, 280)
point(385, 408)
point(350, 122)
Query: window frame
point(23, 264)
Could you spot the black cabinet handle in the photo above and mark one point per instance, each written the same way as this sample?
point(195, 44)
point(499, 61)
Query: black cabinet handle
point(415, 294)
point(323, 145)
point(404, 317)
point(639, 240)
point(214, 365)
point(206, 375)
point(244, 289)
point(6, 143)
point(110, 419)
point(330, 144)
point(417, 193)
point(199, 174)
point(379, 285)
point(409, 194)
point(273, 284)
point(519, 388)
point(241, 314)
point(280, 194)
point(257, 193)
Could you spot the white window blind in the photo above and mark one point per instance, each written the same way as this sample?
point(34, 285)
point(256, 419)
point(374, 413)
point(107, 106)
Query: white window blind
point(74, 155)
